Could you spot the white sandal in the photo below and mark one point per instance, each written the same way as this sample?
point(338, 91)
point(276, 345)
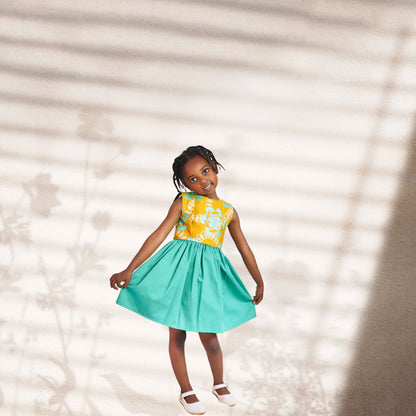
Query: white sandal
point(196, 408)
point(227, 399)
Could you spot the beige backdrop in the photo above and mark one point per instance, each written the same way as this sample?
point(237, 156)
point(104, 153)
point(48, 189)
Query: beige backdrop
point(308, 104)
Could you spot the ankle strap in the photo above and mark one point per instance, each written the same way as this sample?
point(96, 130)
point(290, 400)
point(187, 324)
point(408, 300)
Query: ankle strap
point(219, 386)
point(187, 393)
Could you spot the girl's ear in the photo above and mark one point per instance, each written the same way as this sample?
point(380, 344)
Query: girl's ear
point(214, 166)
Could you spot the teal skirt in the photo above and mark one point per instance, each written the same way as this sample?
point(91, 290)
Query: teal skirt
point(190, 286)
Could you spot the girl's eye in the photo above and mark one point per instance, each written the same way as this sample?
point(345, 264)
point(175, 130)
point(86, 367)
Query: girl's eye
point(205, 171)
point(192, 180)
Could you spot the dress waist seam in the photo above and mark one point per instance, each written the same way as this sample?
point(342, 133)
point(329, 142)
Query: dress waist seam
point(196, 242)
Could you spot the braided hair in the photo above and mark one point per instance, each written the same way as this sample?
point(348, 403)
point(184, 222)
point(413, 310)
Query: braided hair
point(187, 154)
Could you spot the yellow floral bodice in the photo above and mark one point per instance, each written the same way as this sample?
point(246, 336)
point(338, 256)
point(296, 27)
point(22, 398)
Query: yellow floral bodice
point(203, 219)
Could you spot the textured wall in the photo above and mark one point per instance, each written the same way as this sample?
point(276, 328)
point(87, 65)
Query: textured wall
point(308, 104)
point(382, 376)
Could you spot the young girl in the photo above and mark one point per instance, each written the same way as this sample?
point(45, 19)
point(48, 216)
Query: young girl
point(189, 285)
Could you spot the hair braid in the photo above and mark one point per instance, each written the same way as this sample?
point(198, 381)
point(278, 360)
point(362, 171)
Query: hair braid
point(187, 154)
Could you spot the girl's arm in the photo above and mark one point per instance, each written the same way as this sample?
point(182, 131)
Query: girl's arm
point(247, 255)
point(149, 246)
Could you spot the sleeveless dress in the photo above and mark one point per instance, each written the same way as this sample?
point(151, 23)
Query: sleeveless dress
point(189, 283)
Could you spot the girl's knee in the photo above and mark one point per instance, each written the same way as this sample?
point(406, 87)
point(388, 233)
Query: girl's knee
point(177, 337)
point(210, 343)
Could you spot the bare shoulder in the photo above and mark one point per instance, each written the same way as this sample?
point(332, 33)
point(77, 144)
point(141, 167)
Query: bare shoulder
point(176, 206)
point(235, 218)
point(234, 225)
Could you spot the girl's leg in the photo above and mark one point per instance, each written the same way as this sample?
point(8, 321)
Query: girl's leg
point(214, 354)
point(177, 339)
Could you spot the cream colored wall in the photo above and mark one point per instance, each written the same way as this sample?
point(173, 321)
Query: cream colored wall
point(308, 105)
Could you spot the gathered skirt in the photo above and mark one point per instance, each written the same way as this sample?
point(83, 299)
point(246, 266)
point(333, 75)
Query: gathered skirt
point(190, 286)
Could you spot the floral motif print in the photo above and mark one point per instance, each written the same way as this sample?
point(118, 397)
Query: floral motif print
point(203, 219)
point(182, 220)
point(214, 221)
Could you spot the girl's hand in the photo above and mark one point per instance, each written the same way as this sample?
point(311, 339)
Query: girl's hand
point(117, 278)
point(258, 297)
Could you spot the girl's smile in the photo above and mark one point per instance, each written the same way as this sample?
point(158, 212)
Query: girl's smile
point(200, 177)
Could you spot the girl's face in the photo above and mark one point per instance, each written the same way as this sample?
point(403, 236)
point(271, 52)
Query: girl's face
point(200, 177)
